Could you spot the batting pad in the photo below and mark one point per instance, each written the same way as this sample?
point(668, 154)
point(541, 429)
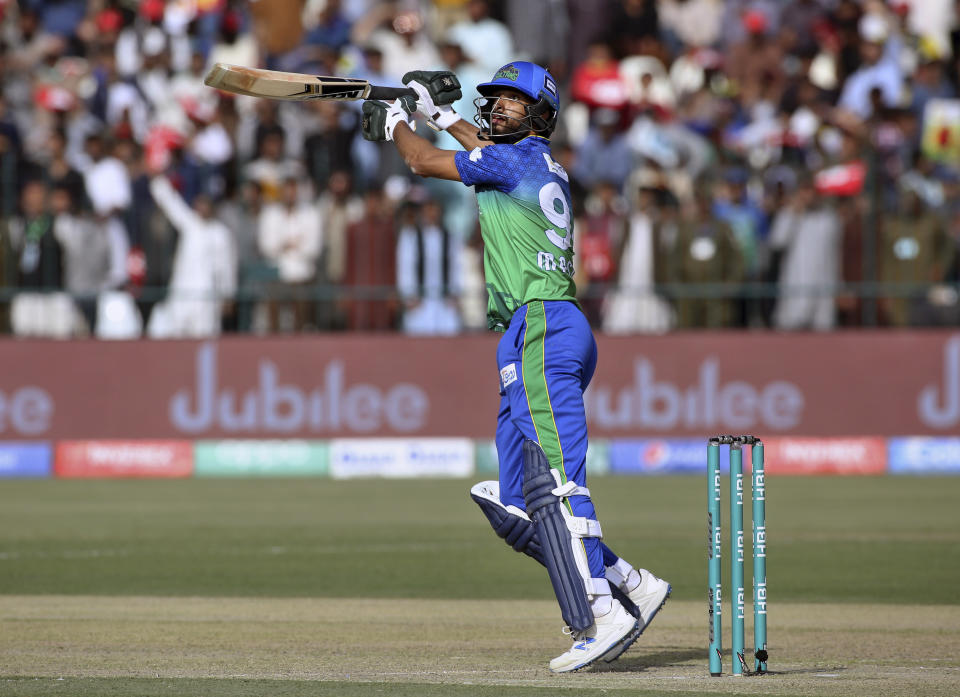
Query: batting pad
point(514, 527)
point(559, 533)
point(510, 523)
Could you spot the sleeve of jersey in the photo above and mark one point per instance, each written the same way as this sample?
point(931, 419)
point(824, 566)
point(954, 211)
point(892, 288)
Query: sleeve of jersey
point(499, 166)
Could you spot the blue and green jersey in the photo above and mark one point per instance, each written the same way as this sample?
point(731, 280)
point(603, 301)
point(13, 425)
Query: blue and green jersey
point(526, 222)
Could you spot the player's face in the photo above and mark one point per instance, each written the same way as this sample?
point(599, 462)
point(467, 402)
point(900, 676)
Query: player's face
point(509, 111)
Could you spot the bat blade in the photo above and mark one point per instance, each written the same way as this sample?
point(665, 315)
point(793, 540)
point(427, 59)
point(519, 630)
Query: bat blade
point(274, 84)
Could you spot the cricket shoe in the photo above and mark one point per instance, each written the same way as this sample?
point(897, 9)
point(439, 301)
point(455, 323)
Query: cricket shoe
point(606, 634)
point(650, 595)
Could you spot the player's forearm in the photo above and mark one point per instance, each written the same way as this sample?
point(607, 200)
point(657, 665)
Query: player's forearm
point(467, 134)
point(412, 148)
point(422, 157)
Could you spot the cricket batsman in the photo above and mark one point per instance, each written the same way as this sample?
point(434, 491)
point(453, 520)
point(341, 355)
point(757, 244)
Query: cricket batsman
point(547, 355)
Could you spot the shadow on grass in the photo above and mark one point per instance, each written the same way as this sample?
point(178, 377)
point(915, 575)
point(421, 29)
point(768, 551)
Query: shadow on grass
point(807, 671)
point(638, 663)
point(682, 656)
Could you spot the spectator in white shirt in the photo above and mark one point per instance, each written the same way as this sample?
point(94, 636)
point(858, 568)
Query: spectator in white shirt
point(87, 253)
point(233, 46)
point(401, 38)
point(806, 239)
point(210, 145)
point(272, 167)
point(204, 273)
point(127, 111)
point(484, 40)
point(107, 183)
point(291, 236)
point(153, 76)
point(105, 177)
point(691, 22)
point(880, 69)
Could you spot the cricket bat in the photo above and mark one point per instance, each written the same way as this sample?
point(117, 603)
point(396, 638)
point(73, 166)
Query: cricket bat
point(274, 84)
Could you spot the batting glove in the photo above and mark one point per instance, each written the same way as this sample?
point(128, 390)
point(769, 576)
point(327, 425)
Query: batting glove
point(380, 119)
point(436, 91)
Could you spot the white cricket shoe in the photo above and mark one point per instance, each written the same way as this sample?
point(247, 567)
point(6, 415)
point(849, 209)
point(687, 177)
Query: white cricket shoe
point(649, 596)
point(607, 633)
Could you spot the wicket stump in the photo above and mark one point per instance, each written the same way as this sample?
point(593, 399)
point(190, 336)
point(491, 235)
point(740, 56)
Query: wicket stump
point(714, 545)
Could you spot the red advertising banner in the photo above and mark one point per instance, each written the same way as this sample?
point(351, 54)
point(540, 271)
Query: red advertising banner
point(94, 459)
point(870, 383)
point(825, 455)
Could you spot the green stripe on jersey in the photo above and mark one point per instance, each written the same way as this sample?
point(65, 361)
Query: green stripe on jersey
point(536, 389)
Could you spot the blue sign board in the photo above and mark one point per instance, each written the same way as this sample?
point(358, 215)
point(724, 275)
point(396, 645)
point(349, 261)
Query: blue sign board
point(25, 459)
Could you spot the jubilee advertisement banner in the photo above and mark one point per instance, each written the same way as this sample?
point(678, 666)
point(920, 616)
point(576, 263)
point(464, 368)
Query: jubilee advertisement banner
point(683, 385)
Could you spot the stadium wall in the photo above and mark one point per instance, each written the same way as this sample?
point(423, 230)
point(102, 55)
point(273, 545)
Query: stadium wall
point(383, 405)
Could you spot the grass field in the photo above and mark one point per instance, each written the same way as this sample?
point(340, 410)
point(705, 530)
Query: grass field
point(297, 587)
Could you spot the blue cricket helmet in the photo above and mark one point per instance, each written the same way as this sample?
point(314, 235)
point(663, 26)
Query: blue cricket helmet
point(537, 83)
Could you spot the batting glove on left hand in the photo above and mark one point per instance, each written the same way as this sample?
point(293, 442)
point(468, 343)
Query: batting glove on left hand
point(436, 91)
point(380, 119)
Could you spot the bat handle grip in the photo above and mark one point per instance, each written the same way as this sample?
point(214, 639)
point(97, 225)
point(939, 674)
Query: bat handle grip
point(389, 93)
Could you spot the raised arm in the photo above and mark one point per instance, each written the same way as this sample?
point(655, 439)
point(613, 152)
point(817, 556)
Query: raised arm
point(171, 203)
point(395, 122)
point(422, 157)
point(468, 135)
point(436, 92)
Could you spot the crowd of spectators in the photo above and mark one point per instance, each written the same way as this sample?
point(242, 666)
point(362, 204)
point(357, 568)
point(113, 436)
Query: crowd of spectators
point(734, 163)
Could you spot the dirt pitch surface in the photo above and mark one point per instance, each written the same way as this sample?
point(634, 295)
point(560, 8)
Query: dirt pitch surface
point(815, 649)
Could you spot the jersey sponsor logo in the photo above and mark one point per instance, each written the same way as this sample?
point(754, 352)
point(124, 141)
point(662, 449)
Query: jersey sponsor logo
point(507, 72)
point(476, 154)
point(508, 374)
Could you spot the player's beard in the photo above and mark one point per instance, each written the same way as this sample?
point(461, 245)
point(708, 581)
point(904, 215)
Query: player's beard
point(509, 130)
